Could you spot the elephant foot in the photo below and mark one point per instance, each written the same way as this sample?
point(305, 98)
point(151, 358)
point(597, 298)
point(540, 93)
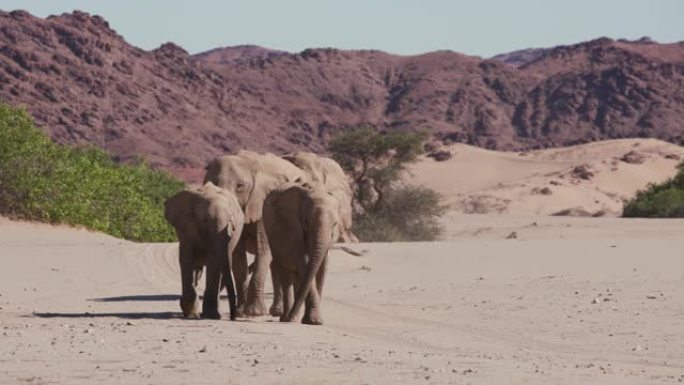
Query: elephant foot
point(212, 314)
point(255, 308)
point(191, 315)
point(312, 317)
point(210, 311)
point(276, 310)
point(190, 307)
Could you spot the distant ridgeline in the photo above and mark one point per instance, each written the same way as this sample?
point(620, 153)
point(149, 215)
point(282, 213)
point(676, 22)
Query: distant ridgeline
point(41, 180)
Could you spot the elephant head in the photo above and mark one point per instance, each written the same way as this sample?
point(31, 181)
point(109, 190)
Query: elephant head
point(251, 176)
point(327, 172)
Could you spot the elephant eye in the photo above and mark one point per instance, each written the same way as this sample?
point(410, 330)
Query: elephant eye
point(239, 187)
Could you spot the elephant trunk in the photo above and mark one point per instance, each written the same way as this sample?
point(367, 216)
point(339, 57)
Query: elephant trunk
point(318, 250)
point(229, 281)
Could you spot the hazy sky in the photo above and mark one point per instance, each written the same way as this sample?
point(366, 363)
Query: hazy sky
point(476, 27)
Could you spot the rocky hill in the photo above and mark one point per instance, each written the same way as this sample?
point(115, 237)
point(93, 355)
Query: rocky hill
point(84, 83)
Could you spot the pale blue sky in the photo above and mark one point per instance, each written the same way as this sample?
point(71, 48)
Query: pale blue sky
point(476, 27)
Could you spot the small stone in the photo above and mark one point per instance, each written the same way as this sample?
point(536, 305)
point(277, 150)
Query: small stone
point(512, 235)
point(203, 350)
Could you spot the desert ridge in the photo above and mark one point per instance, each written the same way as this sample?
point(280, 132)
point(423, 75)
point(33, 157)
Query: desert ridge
point(585, 180)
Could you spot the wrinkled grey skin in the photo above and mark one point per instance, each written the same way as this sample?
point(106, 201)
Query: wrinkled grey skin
point(208, 222)
point(301, 222)
point(326, 171)
point(250, 177)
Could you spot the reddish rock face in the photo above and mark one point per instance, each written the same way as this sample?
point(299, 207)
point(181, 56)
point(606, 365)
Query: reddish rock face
point(83, 83)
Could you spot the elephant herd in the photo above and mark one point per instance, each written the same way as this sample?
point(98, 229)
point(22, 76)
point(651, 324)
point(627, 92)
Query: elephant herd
point(287, 211)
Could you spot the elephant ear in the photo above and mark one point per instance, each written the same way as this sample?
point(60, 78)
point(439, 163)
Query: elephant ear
point(174, 206)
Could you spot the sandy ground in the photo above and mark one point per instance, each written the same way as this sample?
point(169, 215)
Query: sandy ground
point(549, 181)
point(565, 301)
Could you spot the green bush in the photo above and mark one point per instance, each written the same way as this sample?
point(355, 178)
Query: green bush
point(44, 181)
point(408, 214)
point(386, 210)
point(665, 200)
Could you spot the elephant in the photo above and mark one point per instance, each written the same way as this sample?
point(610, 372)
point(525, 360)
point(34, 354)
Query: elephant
point(326, 171)
point(250, 176)
point(208, 222)
point(302, 222)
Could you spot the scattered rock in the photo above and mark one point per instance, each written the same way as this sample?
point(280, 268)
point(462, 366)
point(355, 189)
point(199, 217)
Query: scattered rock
point(672, 156)
point(441, 155)
point(633, 157)
point(512, 235)
point(573, 212)
point(203, 350)
point(365, 268)
point(582, 171)
point(542, 191)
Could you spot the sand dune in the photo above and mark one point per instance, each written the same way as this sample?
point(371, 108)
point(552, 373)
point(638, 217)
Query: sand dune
point(589, 179)
point(571, 300)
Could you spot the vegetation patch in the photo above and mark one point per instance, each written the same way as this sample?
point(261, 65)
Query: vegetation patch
point(385, 210)
point(41, 180)
point(665, 200)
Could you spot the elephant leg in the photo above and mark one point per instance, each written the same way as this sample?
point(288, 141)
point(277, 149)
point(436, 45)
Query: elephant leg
point(189, 302)
point(277, 307)
point(255, 305)
point(213, 284)
point(241, 274)
point(320, 276)
point(227, 273)
point(312, 312)
point(287, 290)
point(197, 275)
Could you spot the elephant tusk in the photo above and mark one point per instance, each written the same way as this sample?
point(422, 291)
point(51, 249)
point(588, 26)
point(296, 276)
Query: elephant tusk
point(349, 251)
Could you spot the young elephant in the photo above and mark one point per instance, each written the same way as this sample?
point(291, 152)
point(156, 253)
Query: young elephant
point(208, 222)
point(301, 223)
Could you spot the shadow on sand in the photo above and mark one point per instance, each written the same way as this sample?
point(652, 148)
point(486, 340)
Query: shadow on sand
point(144, 298)
point(124, 315)
point(133, 315)
point(136, 298)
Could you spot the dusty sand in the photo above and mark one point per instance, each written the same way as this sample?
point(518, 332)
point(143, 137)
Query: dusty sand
point(568, 301)
point(542, 182)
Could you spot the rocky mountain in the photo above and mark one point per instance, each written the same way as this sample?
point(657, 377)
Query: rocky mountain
point(230, 55)
point(84, 83)
point(521, 57)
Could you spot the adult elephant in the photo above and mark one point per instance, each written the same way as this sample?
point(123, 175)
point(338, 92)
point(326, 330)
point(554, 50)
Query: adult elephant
point(301, 222)
point(327, 172)
point(250, 176)
point(208, 222)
